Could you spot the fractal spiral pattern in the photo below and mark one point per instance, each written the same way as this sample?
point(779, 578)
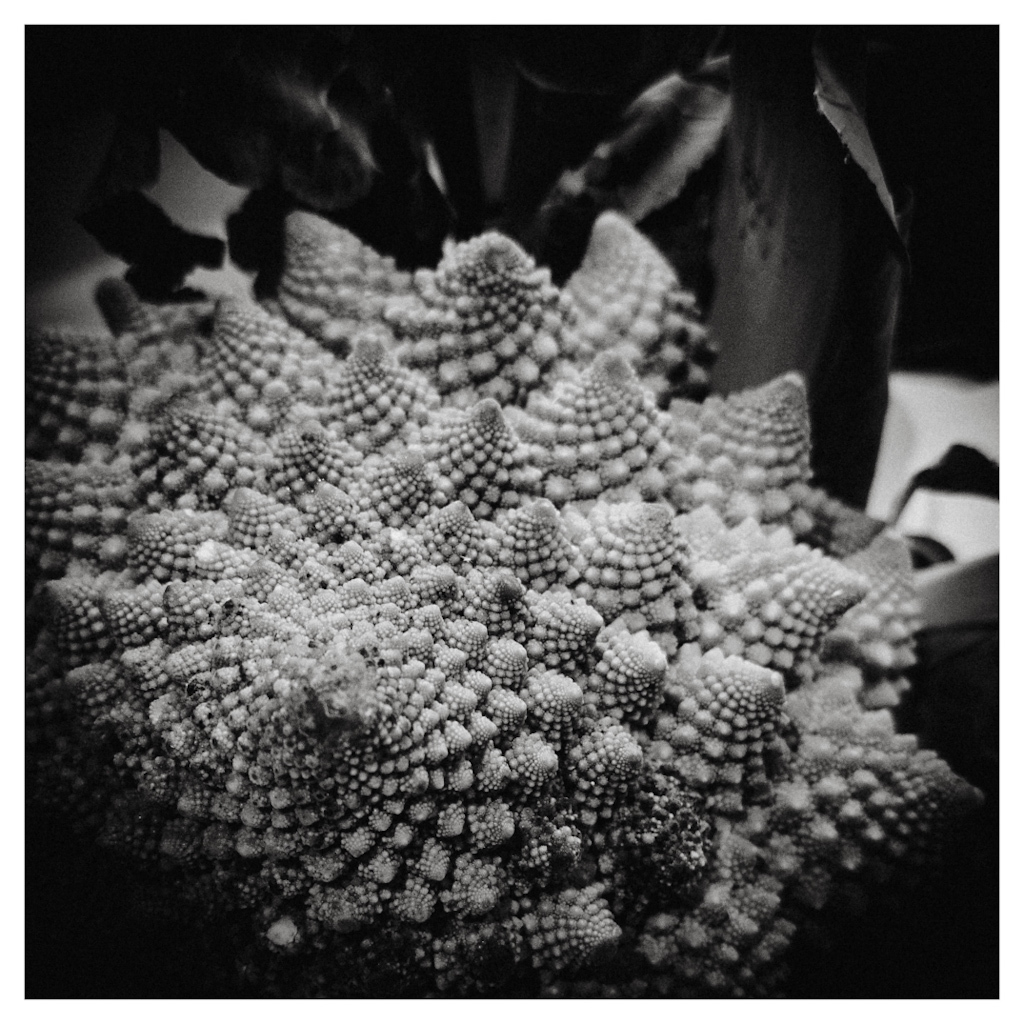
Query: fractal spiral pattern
point(442, 628)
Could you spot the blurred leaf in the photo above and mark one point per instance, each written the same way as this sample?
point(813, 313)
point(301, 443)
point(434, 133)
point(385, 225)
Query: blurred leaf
point(927, 551)
point(265, 108)
point(953, 705)
point(960, 593)
point(160, 254)
point(128, 224)
point(836, 100)
point(399, 208)
point(809, 269)
point(962, 470)
point(495, 87)
point(668, 132)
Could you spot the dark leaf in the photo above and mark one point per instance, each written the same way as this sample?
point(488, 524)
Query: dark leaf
point(604, 59)
point(960, 593)
point(132, 161)
point(809, 269)
point(160, 254)
point(261, 111)
point(666, 134)
point(962, 470)
point(954, 703)
point(837, 100)
point(927, 551)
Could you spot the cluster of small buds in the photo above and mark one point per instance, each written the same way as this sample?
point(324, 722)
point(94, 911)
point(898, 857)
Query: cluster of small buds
point(481, 463)
point(370, 399)
point(597, 434)
point(260, 364)
point(76, 395)
point(877, 633)
point(635, 559)
point(486, 322)
point(627, 682)
point(725, 725)
point(332, 285)
point(75, 512)
point(417, 634)
point(194, 457)
point(629, 297)
point(763, 597)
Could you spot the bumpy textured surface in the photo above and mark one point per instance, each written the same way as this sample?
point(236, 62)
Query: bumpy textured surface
point(630, 298)
point(487, 321)
point(460, 664)
point(331, 284)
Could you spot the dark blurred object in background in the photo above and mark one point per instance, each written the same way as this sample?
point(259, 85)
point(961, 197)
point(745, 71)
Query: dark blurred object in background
point(933, 107)
point(339, 119)
point(299, 115)
point(809, 247)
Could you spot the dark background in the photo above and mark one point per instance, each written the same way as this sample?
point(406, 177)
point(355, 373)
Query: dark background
point(931, 95)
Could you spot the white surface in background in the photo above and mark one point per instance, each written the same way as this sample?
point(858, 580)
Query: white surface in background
point(928, 413)
point(191, 196)
point(199, 201)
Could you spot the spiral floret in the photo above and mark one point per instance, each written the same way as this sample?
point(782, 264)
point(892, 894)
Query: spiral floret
point(417, 641)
